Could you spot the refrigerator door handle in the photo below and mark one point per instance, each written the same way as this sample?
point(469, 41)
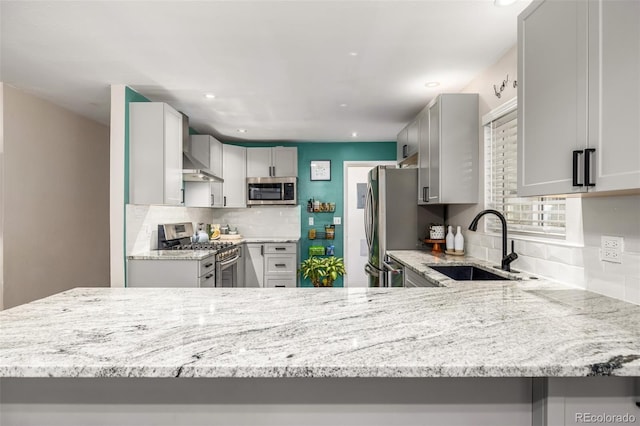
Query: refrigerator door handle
point(391, 269)
point(368, 219)
point(369, 270)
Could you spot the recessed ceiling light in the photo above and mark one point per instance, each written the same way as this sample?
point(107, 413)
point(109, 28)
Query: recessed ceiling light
point(353, 53)
point(432, 84)
point(354, 134)
point(210, 96)
point(500, 3)
point(344, 105)
point(242, 130)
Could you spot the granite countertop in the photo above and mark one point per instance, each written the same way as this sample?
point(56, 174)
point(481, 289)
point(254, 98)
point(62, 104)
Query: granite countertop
point(493, 329)
point(201, 254)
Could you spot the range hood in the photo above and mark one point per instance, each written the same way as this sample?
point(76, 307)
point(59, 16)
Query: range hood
point(193, 170)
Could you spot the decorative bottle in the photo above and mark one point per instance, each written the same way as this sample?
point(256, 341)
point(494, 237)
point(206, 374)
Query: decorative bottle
point(459, 241)
point(450, 239)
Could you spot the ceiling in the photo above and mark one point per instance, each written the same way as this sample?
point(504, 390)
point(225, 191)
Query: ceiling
point(282, 70)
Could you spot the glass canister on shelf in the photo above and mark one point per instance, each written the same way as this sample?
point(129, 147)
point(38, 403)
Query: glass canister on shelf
point(312, 234)
point(330, 250)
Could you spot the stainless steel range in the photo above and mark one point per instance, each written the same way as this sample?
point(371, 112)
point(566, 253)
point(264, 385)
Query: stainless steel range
point(178, 236)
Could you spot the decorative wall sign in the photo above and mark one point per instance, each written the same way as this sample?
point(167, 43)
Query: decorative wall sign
point(320, 169)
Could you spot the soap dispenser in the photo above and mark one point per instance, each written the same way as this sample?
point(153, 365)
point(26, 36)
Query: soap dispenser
point(459, 241)
point(450, 239)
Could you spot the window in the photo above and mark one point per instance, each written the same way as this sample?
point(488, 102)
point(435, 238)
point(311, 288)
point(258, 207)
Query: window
point(539, 216)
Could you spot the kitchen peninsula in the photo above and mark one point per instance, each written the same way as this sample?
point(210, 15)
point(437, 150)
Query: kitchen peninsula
point(459, 353)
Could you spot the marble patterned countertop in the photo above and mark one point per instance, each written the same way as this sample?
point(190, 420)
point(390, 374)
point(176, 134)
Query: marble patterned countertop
point(526, 328)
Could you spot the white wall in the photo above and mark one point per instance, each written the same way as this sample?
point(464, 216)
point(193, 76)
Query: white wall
point(574, 264)
point(56, 203)
point(255, 222)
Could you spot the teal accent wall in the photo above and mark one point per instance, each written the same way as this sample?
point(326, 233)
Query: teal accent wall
point(327, 191)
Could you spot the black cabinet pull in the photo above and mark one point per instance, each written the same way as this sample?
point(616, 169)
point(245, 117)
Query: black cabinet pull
point(208, 265)
point(576, 154)
point(405, 151)
point(208, 276)
point(281, 248)
point(280, 285)
point(262, 250)
point(587, 166)
point(280, 265)
point(224, 201)
point(425, 194)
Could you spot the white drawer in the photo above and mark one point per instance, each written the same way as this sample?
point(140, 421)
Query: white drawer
point(280, 264)
point(208, 279)
point(207, 265)
point(271, 282)
point(280, 248)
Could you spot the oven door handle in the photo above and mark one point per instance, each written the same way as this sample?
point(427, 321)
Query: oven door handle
point(229, 262)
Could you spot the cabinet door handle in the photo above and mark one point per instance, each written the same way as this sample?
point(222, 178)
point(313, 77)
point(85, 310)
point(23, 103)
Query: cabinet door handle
point(182, 191)
point(425, 194)
point(576, 154)
point(405, 151)
point(587, 167)
point(262, 250)
point(213, 200)
point(224, 201)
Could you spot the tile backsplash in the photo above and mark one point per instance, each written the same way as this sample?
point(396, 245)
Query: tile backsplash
point(580, 266)
point(268, 221)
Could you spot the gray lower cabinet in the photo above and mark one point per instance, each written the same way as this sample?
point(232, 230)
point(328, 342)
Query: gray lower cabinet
point(280, 264)
point(254, 265)
point(171, 273)
point(578, 118)
point(271, 265)
point(412, 279)
point(585, 400)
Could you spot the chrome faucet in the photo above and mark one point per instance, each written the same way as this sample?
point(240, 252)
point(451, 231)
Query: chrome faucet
point(506, 258)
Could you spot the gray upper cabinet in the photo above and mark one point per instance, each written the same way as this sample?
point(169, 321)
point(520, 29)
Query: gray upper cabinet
point(155, 154)
point(578, 97)
point(234, 173)
point(448, 150)
point(407, 141)
point(278, 161)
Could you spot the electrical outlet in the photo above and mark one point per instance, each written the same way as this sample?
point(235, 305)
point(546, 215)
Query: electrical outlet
point(611, 249)
point(310, 221)
point(612, 242)
point(611, 255)
point(337, 220)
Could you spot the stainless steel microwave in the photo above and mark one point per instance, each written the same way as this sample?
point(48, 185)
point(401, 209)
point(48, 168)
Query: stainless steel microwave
point(272, 191)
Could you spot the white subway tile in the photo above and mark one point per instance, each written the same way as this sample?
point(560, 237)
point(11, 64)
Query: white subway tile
point(530, 248)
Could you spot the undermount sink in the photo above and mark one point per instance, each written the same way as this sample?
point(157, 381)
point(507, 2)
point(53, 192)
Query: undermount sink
point(467, 273)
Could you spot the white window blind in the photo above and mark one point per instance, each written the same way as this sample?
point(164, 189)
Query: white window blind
point(525, 215)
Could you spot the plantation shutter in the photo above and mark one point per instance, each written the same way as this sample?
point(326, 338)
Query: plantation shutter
point(530, 215)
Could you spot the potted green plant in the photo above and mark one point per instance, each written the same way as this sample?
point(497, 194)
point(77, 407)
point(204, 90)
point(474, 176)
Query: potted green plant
point(322, 271)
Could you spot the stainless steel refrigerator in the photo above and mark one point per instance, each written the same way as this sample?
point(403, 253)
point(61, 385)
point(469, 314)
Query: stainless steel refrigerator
point(390, 221)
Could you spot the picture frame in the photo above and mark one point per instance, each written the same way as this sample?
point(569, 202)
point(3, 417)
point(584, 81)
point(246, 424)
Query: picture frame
point(320, 169)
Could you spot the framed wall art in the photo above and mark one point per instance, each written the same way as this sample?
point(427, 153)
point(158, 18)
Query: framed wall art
point(320, 169)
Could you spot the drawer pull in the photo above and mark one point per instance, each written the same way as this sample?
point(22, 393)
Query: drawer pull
point(208, 276)
point(280, 265)
point(208, 265)
point(280, 285)
point(281, 248)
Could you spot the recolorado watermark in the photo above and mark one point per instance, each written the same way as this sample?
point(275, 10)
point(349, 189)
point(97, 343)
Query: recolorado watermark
point(603, 418)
